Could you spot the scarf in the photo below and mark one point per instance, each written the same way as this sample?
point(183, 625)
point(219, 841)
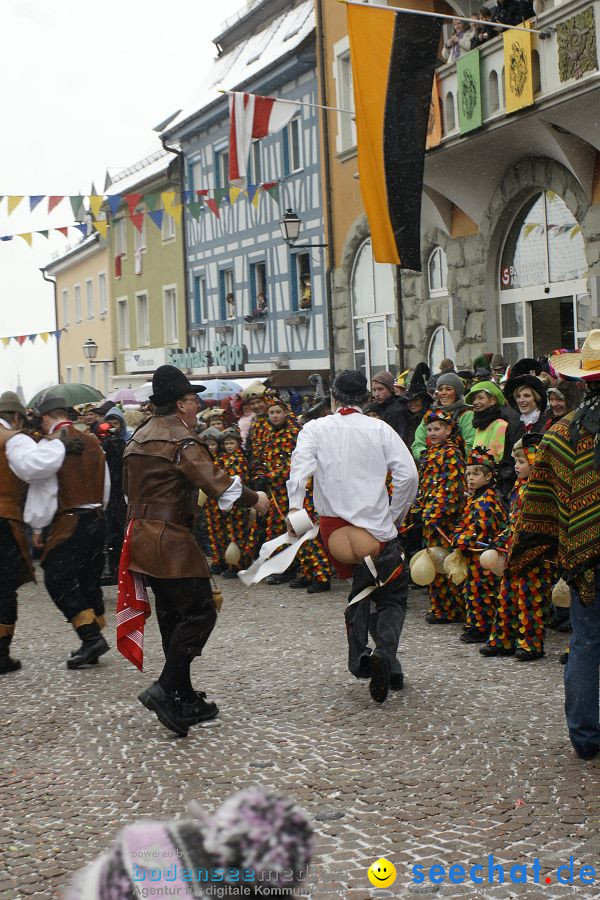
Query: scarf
point(133, 607)
point(485, 417)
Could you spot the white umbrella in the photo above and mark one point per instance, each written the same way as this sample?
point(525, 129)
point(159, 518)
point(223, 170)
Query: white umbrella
point(142, 393)
point(218, 388)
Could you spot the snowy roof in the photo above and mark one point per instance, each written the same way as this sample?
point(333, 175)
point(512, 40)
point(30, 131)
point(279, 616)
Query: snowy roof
point(250, 56)
point(85, 243)
point(156, 163)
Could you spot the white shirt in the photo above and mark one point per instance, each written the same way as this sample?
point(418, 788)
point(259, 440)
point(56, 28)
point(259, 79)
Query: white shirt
point(349, 458)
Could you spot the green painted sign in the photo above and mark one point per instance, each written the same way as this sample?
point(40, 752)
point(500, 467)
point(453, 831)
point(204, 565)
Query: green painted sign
point(469, 91)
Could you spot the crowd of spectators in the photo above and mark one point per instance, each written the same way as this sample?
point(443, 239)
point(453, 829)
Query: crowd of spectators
point(467, 36)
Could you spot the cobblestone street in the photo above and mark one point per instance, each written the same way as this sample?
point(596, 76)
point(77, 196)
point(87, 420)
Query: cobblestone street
point(472, 758)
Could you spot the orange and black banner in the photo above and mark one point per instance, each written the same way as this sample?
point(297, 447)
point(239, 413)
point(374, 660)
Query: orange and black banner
point(393, 62)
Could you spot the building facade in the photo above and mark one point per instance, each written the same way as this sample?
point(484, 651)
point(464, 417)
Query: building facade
point(235, 251)
point(83, 311)
point(510, 252)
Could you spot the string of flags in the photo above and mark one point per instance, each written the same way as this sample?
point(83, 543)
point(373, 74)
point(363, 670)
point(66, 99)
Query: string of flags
point(193, 201)
point(21, 339)
point(539, 228)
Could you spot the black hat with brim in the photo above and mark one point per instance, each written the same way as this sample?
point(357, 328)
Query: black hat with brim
point(169, 383)
point(51, 402)
point(530, 381)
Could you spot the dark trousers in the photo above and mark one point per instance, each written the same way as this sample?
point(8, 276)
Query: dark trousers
point(12, 574)
point(382, 614)
point(186, 613)
point(72, 571)
point(116, 516)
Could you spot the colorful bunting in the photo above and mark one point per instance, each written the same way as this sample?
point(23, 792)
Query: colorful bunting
point(96, 201)
point(157, 217)
point(82, 228)
point(21, 339)
point(5, 341)
point(221, 195)
point(132, 201)
point(168, 199)
point(114, 201)
point(101, 225)
point(35, 200)
point(272, 189)
point(151, 201)
point(53, 201)
point(44, 336)
point(137, 220)
point(195, 209)
point(64, 230)
point(175, 212)
point(13, 202)
point(77, 206)
point(27, 237)
point(212, 205)
point(234, 193)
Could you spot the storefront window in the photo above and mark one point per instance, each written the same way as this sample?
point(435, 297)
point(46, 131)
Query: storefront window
point(373, 312)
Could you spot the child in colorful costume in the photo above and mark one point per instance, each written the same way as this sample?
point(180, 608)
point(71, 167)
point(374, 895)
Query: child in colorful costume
point(482, 522)
point(439, 504)
point(518, 626)
point(236, 521)
point(217, 537)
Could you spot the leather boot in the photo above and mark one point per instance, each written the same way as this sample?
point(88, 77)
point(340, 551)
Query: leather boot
point(7, 663)
point(92, 646)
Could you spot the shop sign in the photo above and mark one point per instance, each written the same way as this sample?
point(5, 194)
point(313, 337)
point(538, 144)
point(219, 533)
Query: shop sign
point(508, 276)
point(232, 357)
point(144, 360)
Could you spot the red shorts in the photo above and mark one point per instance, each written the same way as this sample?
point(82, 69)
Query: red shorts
point(327, 525)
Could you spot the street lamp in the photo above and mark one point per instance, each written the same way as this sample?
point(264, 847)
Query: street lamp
point(290, 230)
point(90, 349)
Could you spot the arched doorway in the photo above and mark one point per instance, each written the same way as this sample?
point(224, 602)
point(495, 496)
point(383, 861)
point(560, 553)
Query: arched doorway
point(441, 346)
point(544, 303)
point(373, 313)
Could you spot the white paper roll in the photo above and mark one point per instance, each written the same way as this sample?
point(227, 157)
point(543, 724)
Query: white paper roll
point(300, 522)
point(267, 564)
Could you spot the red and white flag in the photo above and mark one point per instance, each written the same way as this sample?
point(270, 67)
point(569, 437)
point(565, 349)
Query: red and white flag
point(250, 117)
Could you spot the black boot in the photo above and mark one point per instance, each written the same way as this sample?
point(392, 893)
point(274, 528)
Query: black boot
point(93, 645)
point(7, 663)
point(168, 709)
point(198, 710)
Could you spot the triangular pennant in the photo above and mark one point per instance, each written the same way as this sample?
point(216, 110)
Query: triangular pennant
point(168, 199)
point(157, 217)
point(212, 205)
point(175, 212)
point(64, 230)
point(6, 237)
point(137, 220)
point(6, 341)
point(32, 337)
point(34, 200)
point(77, 205)
point(220, 195)
point(44, 336)
point(57, 334)
point(13, 201)
point(187, 196)
point(234, 193)
point(203, 193)
point(114, 201)
point(252, 190)
point(96, 201)
point(151, 201)
point(195, 209)
point(26, 237)
point(53, 201)
point(44, 233)
point(272, 189)
point(21, 339)
point(256, 199)
point(132, 201)
point(83, 228)
point(101, 225)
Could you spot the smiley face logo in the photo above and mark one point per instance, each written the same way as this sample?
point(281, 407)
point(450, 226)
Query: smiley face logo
point(382, 873)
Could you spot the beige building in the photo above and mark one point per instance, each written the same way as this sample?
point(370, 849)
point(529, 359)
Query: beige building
point(83, 312)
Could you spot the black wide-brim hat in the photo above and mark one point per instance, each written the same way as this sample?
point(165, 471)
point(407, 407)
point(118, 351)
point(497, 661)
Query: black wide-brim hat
point(169, 383)
point(531, 381)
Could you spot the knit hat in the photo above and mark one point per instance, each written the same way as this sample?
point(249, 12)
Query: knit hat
point(490, 388)
point(255, 839)
point(453, 381)
point(481, 456)
point(10, 403)
point(169, 383)
point(50, 402)
point(439, 415)
point(385, 378)
point(350, 387)
point(528, 445)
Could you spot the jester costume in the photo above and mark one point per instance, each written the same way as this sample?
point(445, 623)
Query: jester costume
point(215, 529)
point(256, 443)
point(236, 521)
point(313, 559)
point(439, 504)
point(483, 520)
point(275, 468)
point(524, 591)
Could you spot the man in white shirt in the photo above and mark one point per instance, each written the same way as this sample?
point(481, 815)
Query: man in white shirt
point(349, 456)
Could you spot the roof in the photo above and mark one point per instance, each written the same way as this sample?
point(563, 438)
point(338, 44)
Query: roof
point(86, 244)
point(253, 54)
point(151, 166)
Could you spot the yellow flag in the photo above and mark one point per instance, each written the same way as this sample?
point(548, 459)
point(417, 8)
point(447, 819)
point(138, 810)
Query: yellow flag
point(26, 237)
point(6, 341)
point(96, 201)
point(13, 202)
point(44, 336)
point(518, 70)
point(234, 193)
point(100, 225)
point(256, 198)
point(175, 212)
point(168, 198)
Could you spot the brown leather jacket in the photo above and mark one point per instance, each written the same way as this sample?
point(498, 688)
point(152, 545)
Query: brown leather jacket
point(164, 465)
point(12, 501)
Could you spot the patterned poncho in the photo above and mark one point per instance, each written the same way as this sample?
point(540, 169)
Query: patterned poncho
point(560, 517)
point(442, 486)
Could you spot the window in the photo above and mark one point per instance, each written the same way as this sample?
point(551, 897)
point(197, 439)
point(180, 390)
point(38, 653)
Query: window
point(68, 374)
point(374, 314)
point(120, 237)
point(78, 303)
point(292, 160)
point(170, 307)
point(255, 173)
point(342, 73)
point(226, 294)
point(441, 346)
point(89, 297)
point(65, 307)
point(195, 176)
point(222, 168)
point(437, 271)
point(167, 230)
point(102, 293)
point(199, 305)
point(139, 236)
point(143, 321)
point(123, 322)
point(81, 374)
point(302, 293)
point(258, 283)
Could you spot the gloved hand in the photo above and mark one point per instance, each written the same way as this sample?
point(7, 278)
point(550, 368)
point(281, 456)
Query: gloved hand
point(72, 442)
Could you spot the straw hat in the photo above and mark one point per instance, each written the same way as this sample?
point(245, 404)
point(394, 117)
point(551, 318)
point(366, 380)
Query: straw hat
point(584, 363)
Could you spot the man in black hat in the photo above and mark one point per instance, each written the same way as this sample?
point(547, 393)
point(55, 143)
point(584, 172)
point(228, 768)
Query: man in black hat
point(164, 465)
point(349, 456)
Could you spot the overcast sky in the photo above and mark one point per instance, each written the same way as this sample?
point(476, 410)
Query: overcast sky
point(83, 84)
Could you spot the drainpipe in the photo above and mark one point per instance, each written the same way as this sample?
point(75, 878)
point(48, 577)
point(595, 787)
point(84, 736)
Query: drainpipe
point(400, 319)
point(52, 281)
point(321, 65)
point(180, 155)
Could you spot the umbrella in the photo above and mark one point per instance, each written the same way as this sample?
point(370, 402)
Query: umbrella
point(218, 388)
point(124, 395)
point(142, 393)
point(72, 393)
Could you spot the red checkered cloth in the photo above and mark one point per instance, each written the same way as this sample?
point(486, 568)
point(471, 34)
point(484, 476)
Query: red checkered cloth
point(133, 607)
